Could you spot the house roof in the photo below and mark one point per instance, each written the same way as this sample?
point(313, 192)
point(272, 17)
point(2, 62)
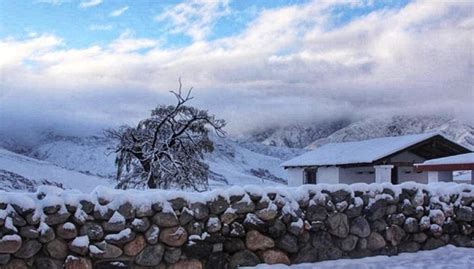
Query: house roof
point(467, 158)
point(358, 152)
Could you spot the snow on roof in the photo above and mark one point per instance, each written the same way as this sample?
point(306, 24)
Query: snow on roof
point(365, 151)
point(467, 158)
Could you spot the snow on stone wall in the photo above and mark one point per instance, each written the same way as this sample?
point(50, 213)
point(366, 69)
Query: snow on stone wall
point(228, 228)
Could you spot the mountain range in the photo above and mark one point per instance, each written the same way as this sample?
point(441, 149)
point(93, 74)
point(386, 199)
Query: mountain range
point(85, 162)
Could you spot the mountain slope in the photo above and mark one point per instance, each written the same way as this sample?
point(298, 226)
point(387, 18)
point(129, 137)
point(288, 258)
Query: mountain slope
point(296, 135)
point(28, 173)
point(232, 162)
point(401, 125)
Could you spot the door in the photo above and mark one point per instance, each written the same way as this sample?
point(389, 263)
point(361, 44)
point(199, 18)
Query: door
point(394, 176)
point(310, 175)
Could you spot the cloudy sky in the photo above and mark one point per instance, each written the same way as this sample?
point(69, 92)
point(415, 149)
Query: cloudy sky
point(67, 63)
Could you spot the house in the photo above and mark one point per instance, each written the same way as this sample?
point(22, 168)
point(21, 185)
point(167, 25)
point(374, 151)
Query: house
point(440, 169)
point(388, 159)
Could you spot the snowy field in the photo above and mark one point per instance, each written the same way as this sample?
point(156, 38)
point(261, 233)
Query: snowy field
point(442, 258)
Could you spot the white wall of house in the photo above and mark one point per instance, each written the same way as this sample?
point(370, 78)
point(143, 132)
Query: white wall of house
point(328, 175)
point(440, 176)
point(295, 176)
point(352, 175)
point(408, 173)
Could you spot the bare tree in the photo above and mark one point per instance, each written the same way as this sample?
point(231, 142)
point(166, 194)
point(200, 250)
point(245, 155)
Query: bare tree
point(167, 149)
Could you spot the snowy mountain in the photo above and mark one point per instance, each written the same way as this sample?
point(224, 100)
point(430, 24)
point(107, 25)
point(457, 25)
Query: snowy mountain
point(232, 162)
point(453, 129)
point(296, 135)
point(24, 173)
point(84, 162)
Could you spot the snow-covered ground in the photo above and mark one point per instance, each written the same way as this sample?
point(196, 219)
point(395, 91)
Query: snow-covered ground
point(442, 258)
point(36, 170)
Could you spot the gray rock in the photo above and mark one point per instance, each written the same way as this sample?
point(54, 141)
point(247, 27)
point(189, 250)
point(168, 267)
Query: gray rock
point(177, 203)
point(48, 263)
point(306, 255)
point(51, 209)
point(103, 250)
point(151, 255)
point(140, 224)
point(152, 234)
point(397, 219)
point(57, 249)
point(29, 232)
point(172, 255)
point(243, 207)
point(165, 219)
point(113, 226)
point(228, 217)
point(87, 206)
point(375, 241)
point(464, 213)
point(322, 241)
point(316, 212)
point(120, 238)
point(378, 225)
point(243, 258)
point(411, 225)
point(354, 211)
point(377, 210)
point(462, 241)
point(4, 258)
point(67, 231)
point(237, 230)
point(420, 237)
point(360, 227)
point(126, 210)
point(144, 211)
point(288, 243)
point(200, 211)
point(267, 214)
point(409, 247)
point(218, 205)
point(395, 235)
point(57, 218)
point(93, 230)
point(349, 243)
point(232, 245)
point(277, 229)
point(186, 216)
point(46, 234)
point(213, 225)
point(433, 243)
point(338, 224)
point(103, 214)
point(194, 228)
point(28, 249)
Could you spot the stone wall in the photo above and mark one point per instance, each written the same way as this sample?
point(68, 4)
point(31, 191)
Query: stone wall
point(225, 229)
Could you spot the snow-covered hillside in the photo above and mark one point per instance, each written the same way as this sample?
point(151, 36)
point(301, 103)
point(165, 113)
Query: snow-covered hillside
point(25, 173)
point(401, 125)
point(247, 160)
point(231, 163)
point(296, 135)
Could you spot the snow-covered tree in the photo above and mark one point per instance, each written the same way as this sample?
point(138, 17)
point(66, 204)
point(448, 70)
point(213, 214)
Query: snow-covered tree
point(167, 149)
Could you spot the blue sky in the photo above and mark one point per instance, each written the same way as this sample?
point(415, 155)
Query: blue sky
point(84, 26)
point(254, 63)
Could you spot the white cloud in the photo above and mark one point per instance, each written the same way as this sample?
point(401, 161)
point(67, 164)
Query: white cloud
point(127, 43)
point(118, 12)
point(285, 66)
point(89, 3)
point(194, 18)
point(100, 27)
